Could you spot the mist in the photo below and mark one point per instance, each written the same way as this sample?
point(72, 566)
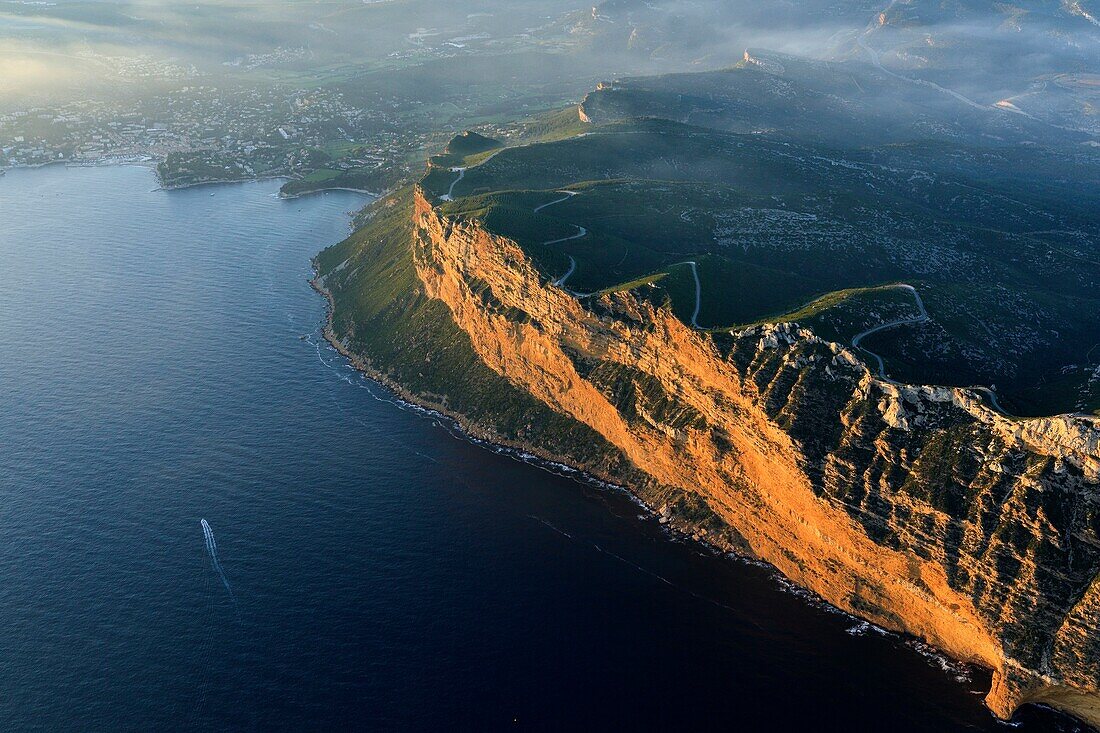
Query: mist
point(980, 49)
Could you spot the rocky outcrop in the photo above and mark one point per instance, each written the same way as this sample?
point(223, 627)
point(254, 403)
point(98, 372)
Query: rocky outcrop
point(915, 507)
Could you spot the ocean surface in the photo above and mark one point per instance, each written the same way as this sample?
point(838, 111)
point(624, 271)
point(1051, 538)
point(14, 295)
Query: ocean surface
point(209, 522)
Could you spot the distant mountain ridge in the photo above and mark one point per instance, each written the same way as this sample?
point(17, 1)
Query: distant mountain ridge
point(1038, 58)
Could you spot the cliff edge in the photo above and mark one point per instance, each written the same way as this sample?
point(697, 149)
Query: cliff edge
point(916, 507)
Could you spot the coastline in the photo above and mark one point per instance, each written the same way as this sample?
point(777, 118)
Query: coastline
point(144, 161)
point(417, 511)
point(151, 162)
point(674, 529)
point(471, 431)
point(198, 184)
point(278, 177)
point(464, 249)
point(365, 192)
point(141, 162)
point(484, 437)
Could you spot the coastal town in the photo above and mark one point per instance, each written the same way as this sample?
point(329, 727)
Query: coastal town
point(318, 118)
point(201, 133)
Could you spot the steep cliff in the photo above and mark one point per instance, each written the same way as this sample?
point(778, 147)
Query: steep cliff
point(915, 507)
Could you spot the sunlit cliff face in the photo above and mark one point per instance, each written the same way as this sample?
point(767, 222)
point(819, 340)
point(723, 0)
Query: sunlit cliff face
point(916, 507)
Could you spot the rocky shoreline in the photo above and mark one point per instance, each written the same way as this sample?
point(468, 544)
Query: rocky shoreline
point(198, 184)
point(676, 528)
point(914, 507)
point(152, 163)
point(475, 433)
point(531, 453)
point(365, 192)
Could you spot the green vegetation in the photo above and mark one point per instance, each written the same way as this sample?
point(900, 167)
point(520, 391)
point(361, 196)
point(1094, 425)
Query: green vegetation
point(382, 313)
point(554, 125)
point(321, 176)
point(840, 315)
point(330, 179)
point(635, 284)
point(466, 149)
point(471, 143)
point(780, 230)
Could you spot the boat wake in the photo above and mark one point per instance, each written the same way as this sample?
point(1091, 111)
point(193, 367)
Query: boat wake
point(212, 550)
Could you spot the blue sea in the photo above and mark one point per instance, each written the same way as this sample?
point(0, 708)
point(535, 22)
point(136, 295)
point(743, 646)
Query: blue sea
point(209, 522)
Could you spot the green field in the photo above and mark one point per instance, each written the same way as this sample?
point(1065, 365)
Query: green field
point(780, 230)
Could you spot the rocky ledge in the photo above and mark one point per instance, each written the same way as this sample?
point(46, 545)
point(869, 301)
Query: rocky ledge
point(916, 507)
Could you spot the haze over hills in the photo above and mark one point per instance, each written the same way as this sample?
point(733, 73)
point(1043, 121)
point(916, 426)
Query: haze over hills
point(352, 94)
point(1034, 58)
point(1030, 58)
point(817, 282)
point(709, 31)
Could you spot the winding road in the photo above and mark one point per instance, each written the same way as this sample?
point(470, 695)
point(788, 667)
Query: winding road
point(921, 318)
point(698, 293)
point(449, 196)
point(461, 171)
point(568, 195)
point(572, 266)
point(581, 232)
point(891, 324)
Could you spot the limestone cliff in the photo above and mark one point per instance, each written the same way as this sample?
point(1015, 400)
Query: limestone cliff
point(915, 507)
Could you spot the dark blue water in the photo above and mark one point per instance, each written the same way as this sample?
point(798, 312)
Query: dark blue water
point(159, 365)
